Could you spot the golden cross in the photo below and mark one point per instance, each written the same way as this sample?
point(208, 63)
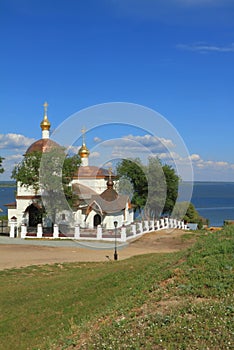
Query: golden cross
point(83, 130)
point(45, 105)
point(110, 172)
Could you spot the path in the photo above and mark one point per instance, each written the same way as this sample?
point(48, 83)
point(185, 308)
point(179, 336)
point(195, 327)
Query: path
point(18, 253)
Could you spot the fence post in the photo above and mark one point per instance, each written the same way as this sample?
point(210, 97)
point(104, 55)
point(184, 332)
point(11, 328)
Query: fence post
point(171, 223)
point(39, 231)
point(146, 225)
point(133, 229)
point(123, 234)
point(99, 232)
point(77, 231)
point(12, 228)
point(23, 231)
point(161, 223)
point(56, 231)
point(157, 225)
point(140, 227)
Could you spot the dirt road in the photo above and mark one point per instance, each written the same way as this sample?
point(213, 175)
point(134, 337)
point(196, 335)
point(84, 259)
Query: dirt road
point(15, 256)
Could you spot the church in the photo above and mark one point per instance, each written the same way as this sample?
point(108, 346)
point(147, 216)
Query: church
point(98, 201)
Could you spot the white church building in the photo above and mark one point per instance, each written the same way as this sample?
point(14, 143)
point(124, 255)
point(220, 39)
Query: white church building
point(98, 203)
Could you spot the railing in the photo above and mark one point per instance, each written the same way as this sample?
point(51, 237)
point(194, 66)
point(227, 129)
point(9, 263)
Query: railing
point(122, 234)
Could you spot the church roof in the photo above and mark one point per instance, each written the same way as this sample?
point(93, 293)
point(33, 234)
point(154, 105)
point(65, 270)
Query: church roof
point(109, 206)
point(109, 195)
point(92, 172)
point(42, 145)
point(84, 192)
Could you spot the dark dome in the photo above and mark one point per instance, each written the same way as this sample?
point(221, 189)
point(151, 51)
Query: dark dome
point(42, 145)
point(109, 195)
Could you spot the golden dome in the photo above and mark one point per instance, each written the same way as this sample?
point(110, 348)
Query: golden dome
point(83, 151)
point(45, 124)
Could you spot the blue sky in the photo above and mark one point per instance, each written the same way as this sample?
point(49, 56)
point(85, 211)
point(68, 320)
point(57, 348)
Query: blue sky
point(174, 56)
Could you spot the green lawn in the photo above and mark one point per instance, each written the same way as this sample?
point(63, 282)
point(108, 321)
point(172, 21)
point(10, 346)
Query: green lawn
point(159, 301)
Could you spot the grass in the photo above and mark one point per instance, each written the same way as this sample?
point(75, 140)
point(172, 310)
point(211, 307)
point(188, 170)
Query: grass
point(159, 301)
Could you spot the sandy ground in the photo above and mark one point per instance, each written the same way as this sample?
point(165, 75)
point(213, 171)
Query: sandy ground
point(15, 256)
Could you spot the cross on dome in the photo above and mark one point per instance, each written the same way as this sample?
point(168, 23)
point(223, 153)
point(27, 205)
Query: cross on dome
point(45, 124)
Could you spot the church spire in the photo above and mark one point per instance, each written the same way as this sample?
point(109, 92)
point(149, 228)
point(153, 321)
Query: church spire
point(83, 151)
point(110, 182)
point(45, 124)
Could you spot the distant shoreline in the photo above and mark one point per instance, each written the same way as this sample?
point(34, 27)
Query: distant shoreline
point(7, 184)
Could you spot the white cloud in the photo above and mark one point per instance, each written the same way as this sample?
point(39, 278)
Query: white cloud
point(15, 141)
point(203, 48)
point(73, 149)
point(97, 139)
point(139, 144)
point(194, 157)
point(94, 155)
point(9, 163)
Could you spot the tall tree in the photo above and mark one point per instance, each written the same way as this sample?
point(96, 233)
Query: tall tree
point(51, 173)
point(134, 170)
point(1, 168)
point(27, 171)
point(172, 184)
point(187, 212)
point(155, 185)
point(157, 188)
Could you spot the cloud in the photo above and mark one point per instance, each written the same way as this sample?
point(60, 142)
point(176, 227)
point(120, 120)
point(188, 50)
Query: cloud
point(97, 139)
point(94, 155)
point(9, 163)
point(194, 157)
point(73, 150)
point(15, 141)
point(139, 145)
point(203, 48)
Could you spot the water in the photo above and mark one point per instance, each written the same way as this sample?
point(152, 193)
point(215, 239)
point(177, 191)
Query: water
point(7, 195)
point(213, 200)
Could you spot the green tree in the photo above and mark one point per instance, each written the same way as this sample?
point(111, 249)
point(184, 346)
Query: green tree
point(51, 173)
point(125, 186)
point(134, 171)
point(155, 185)
point(172, 184)
point(187, 212)
point(56, 173)
point(1, 168)
point(27, 171)
point(157, 188)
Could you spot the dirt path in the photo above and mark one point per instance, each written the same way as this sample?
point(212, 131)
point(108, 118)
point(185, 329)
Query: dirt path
point(15, 256)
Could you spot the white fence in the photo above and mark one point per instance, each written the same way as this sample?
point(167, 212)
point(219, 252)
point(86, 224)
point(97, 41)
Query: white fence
point(122, 234)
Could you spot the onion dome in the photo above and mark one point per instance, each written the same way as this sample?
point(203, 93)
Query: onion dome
point(45, 124)
point(42, 145)
point(83, 151)
point(110, 182)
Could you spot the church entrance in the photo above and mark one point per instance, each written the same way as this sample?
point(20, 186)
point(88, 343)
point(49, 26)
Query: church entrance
point(97, 220)
point(34, 215)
